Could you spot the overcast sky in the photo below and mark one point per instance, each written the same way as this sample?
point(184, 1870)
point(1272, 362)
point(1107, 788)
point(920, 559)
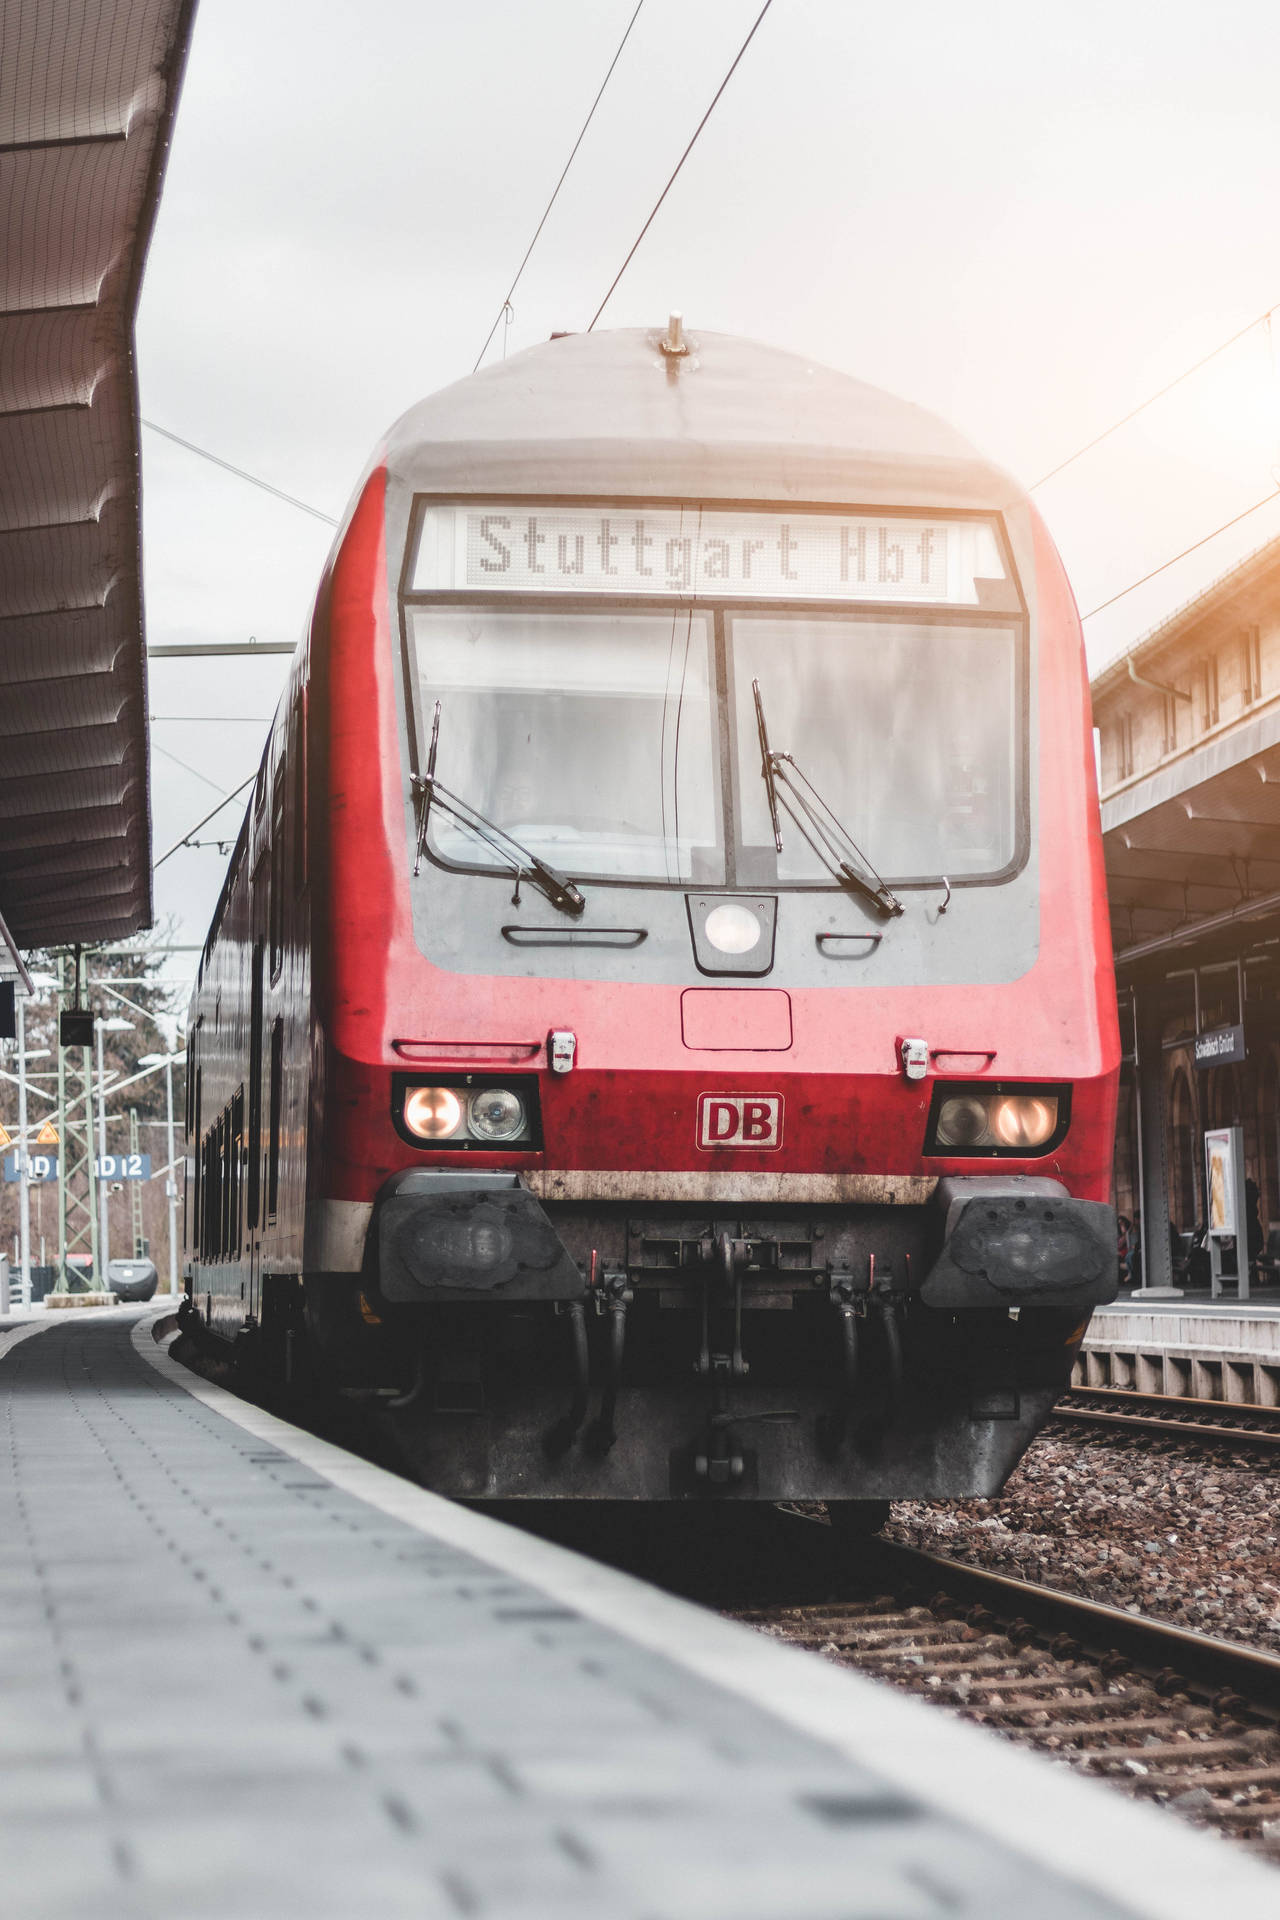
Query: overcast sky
point(1027, 218)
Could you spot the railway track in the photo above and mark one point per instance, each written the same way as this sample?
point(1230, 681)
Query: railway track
point(1202, 1422)
point(1166, 1715)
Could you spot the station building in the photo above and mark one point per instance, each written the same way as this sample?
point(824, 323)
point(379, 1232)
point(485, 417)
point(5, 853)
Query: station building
point(1189, 736)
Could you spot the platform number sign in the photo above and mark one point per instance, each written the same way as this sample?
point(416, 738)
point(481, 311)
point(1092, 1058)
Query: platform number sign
point(123, 1166)
point(40, 1167)
point(750, 1122)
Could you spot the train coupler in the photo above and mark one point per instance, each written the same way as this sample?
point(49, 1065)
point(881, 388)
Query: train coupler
point(720, 1461)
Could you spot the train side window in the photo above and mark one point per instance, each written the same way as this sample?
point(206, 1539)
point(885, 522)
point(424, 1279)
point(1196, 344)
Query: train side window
point(276, 1099)
point(209, 1186)
point(299, 798)
point(255, 1084)
point(192, 1048)
point(260, 786)
point(235, 1165)
point(196, 1156)
point(224, 1184)
point(277, 872)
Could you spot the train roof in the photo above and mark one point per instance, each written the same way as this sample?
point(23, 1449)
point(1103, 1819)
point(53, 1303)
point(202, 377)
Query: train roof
point(610, 414)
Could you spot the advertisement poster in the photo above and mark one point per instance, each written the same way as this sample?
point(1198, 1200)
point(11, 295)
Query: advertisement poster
point(1220, 1181)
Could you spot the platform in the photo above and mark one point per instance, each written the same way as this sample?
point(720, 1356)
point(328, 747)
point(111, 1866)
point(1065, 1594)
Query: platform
point(1224, 1349)
point(246, 1675)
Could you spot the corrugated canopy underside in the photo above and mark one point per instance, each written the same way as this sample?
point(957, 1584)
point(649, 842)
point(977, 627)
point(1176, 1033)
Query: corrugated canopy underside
point(87, 91)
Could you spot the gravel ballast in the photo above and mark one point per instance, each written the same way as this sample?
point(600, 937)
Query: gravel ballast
point(1159, 1530)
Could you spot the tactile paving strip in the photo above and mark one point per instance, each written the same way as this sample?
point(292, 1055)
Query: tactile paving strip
point(232, 1689)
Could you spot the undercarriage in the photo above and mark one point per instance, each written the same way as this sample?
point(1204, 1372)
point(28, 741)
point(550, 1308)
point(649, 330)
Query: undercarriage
point(669, 1354)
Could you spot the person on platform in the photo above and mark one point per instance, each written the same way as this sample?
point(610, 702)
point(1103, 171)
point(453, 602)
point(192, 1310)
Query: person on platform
point(1252, 1219)
point(1124, 1227)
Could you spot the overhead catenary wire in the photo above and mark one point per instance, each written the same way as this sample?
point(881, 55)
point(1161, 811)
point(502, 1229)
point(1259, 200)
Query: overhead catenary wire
point(1150, 401)
point(193, 771)
point(680, 163)
point(241, 473)
point(1193, 548)
point(178, 845)
point(505, 308)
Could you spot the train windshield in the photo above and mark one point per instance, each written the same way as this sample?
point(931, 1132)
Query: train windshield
point(591, 737)
point(908, 730)
point(594, 736)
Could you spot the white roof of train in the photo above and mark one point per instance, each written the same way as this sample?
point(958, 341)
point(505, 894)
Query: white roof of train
point(610, 414)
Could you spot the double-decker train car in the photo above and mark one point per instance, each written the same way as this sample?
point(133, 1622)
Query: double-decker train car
point(658, 1026)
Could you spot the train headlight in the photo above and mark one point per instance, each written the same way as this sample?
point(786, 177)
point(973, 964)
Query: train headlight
point(433, 1113)
point(962, 1121)
point(1024, 1120)
point(496, 1113)
point(1013, 1122)
point(732, 928)
point(468, 1112)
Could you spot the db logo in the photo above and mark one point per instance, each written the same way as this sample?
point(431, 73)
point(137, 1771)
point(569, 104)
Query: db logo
point(740, 1120)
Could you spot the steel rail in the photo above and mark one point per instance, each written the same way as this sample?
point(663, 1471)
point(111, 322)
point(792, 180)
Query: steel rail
point(1154, 1646)
point(1184, 1419)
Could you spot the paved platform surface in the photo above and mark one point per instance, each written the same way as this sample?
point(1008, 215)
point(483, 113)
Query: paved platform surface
point(242, 1674)
point(1262, 1304)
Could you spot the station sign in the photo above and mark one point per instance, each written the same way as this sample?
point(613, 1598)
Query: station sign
point(1220, 1047)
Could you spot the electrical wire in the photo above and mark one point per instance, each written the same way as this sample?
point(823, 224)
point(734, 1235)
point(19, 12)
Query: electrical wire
point(266, 486)
point(680, 162)
point(1193, 548)
point(193, 771)
point(225, 802)
point(1149, 402)
point(546, 212)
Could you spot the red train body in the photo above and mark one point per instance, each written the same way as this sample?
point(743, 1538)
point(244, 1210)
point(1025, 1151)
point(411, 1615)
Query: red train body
point(651, 1147)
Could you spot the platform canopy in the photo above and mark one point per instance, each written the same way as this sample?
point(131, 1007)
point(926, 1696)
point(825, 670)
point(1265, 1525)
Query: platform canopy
point(87, 95)
point(1190, 721)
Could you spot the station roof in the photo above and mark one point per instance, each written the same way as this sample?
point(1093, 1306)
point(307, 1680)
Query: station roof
point(1192, 843)
point(87, 96)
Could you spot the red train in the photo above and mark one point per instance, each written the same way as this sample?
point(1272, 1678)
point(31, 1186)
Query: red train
point(658, 1025)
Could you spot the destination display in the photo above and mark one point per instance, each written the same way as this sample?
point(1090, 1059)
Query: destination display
point(692, 552)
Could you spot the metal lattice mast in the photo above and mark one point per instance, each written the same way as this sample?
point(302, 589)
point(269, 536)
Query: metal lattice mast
point(60, 1284)
point(135, 1193)
point(77, 1174)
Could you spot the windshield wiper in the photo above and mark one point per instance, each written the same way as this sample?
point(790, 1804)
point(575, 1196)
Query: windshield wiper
point(830, 839)
point(429, 792)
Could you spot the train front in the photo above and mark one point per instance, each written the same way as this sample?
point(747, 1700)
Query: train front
point(720, 1029)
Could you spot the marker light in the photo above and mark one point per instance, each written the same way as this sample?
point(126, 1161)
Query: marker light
point(992, 1120)
point(732, 928)
point(495, 1113)
point(433, 1113)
